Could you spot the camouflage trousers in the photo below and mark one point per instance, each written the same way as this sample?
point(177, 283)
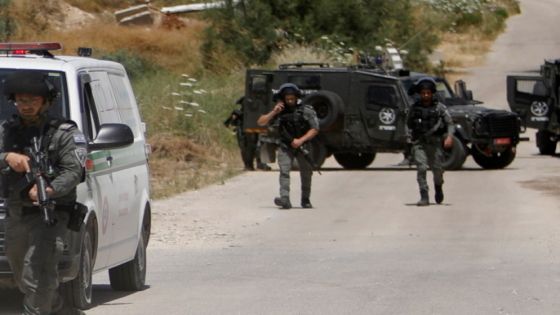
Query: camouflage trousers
point(285, 161)
point(428, 155)
point(33, 250)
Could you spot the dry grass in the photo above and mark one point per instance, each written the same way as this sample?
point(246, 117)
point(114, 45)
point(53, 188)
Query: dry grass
point(175, 50)
point(177, 164)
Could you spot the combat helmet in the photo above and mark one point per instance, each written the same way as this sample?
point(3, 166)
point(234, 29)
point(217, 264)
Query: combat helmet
point(29, 82)
point(288, 88)
point(421, 84)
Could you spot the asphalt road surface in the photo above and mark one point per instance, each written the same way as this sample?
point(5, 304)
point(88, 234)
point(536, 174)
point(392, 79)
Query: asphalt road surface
point(493, 247)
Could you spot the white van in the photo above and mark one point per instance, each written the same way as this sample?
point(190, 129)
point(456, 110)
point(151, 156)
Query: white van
point(97, 95)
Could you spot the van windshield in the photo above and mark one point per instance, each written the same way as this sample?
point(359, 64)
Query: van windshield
point(59, 107)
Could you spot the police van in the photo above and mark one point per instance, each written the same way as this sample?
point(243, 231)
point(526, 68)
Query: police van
point(97, 95)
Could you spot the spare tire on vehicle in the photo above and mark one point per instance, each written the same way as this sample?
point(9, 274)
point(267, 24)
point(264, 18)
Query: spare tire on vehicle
point(328, 106)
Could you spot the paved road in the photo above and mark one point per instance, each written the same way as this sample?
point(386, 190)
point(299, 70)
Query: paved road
point(493, 247)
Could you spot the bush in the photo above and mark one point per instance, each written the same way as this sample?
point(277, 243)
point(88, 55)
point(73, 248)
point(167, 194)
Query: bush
point(135, 66)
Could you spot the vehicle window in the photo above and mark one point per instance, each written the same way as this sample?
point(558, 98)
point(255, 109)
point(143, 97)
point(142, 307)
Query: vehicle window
point(381, 96)
point(307, 82)
point(104, 101)
point(532, 87)
point(258, 84)
point(59, 106)
point(90, 119)
point(125, 103)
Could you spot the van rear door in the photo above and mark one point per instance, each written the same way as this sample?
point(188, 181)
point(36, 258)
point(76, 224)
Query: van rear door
point(529, 98)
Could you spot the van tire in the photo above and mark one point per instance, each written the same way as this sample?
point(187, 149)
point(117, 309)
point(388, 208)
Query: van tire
point(78, 292)
point(454, 158)
point(354, 161)
point(545, 143)
point(131, 276)
point(328, 106)
point(495, 160)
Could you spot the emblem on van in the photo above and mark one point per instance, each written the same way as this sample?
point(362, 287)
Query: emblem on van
point(539, 109)
point(387, 116)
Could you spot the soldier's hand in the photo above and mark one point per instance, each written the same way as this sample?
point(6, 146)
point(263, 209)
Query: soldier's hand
point(448, 142)
point(296, 143)
point(278, 108)
point(18, 162)
point(35, 197)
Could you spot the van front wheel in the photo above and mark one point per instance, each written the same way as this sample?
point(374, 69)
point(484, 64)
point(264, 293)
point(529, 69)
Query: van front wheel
point(78, 292)
point(131, 276)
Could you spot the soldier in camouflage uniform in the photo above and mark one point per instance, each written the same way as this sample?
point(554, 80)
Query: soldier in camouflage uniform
point(297, 124)
point(33, 248)
point(431, 127)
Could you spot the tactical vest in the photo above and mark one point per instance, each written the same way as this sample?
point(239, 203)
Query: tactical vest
point(425, 121)
point(16, 138)
point(292, 124)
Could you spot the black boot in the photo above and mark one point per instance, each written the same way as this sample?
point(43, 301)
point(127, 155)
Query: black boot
point(439, 194)
point(283, 202)
point(306, 203)
point(424, 199)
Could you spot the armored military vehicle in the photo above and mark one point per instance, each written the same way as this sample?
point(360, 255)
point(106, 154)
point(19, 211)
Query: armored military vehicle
point(362, 111)
point(537, 101)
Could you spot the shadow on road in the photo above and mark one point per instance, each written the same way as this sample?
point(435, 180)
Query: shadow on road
point(11, 299)
point(103, 294)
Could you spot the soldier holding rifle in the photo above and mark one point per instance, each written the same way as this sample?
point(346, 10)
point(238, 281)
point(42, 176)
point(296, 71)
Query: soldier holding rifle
point(38, 215)
point(297, 124)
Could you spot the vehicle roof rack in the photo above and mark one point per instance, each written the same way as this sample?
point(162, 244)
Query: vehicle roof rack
point(39, 48)
point(303, 64)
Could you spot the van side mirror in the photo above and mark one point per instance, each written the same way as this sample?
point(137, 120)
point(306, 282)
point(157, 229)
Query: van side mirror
point(112, 136)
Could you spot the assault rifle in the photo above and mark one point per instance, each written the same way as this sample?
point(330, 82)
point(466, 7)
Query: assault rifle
point(286, 141)
point(39, 169)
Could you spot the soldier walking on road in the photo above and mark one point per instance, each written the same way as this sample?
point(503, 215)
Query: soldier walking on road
point(34, 247)
point(297, 124)
point(431, 127)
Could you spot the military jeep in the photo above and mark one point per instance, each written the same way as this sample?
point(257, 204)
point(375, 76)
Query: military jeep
point(362, 111)
point(536, 98)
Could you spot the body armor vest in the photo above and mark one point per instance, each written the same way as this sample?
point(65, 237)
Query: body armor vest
point(425, 121)
point(292, 124)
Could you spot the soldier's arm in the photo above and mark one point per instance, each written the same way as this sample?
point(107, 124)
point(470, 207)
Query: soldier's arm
point(266, 118)
point(313, 131)
point(69, 167)
point(447, 120)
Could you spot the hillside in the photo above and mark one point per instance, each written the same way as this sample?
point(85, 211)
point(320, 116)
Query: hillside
point(167, 65)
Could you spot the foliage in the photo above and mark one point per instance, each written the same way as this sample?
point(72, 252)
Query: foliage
point(135, 65)
point(7, 24)
point(256, 28)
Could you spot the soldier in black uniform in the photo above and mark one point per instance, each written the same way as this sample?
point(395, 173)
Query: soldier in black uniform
point(248, 142)
point(33, 247)
point(297, 124)
point(431, 127)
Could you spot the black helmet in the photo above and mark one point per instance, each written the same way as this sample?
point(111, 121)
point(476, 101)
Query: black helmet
point(421, 84)
point(288, 88)
point(29, 82)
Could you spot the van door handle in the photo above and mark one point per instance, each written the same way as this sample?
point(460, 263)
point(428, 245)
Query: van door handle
point(109, 161)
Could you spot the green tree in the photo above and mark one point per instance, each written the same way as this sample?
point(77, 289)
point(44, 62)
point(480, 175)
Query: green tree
point(255, 28)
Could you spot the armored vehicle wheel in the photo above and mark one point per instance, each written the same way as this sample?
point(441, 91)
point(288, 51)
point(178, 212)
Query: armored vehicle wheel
point(328, 106)
point(354, 161)
point(545, 142)
point(494, 160)
point(454, 158)
point(78, 292)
